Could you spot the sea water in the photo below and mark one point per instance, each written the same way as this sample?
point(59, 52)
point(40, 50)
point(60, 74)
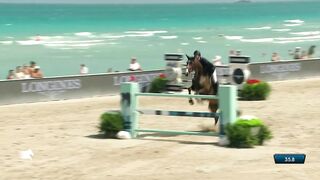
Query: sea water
point(60, 37)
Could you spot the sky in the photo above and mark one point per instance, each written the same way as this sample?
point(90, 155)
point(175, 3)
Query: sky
point(128, 1)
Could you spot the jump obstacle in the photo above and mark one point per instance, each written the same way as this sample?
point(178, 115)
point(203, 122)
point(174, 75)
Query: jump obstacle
point(130, 112)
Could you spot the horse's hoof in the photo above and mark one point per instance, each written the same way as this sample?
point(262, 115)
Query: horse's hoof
point(191, 102)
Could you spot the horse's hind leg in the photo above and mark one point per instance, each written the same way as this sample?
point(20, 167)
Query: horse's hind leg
point(213, 107)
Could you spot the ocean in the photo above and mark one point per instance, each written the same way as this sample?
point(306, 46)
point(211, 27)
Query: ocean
point(60, 37)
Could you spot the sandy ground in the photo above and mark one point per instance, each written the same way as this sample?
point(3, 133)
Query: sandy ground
point(64, 138)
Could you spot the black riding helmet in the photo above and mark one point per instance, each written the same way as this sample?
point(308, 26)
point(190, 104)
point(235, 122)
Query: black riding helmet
point(196, 52)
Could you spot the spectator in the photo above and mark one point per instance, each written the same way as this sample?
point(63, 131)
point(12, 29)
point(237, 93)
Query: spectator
point(217, 61)
point(26, 72)
point(109, 70)
point(238, 53)
point(11, 74)
point(84, 69)
point(232, 52)
point(32, 66)
point(275, 57)
point(134, 65)
point(36, 73)
point(311, 51)
point(19, 73)
point(296, 54)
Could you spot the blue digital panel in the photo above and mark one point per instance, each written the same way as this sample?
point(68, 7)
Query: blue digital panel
point(289, 158)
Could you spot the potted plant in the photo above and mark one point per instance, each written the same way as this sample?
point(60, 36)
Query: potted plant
point(247, 131)
point(159, 84)
point(111, 123)
point(254, 89)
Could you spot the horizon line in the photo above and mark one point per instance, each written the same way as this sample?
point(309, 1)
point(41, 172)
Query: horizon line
point(148, 3)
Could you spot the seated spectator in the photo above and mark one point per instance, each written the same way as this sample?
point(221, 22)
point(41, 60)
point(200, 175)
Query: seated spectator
point(84, 69)
point(26, 72)
point(11, 74)
point(134, 65)
point(36, 73)
point(19, 74)
point(275, 57)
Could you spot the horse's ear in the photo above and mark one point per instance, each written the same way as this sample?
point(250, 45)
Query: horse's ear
point(188, 57)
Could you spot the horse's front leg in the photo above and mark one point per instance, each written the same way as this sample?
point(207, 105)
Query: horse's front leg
point(190, 99)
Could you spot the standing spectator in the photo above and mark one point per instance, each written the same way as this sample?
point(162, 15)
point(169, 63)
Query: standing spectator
point(19, 73)
point(238, 53)
point(36, 73)
point(32, 66)
point(275, 57)
point(232, 52)
point(11, 74)
point(296, 54)
point(84, 69)
point(311, 51)
point(134, 65)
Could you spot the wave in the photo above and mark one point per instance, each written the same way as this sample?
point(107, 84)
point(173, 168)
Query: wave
point(296, 41)
point(233, 37)
point(145, 32)
point(202, 41)
point(168, 37)
point(307, 33)
point(281, 30)
point(184, 44)
point(283, 40)
point(139, 35)
point(294, 21)
point(108, 36)
point(8, 24)
point(259, 28)
point(299, 38)
point(291, 25)
point(74, 45)
point(51, 42)
point(6, 42)
point(197, 38)
point(261, 40)
point(88, 34)
point(30, 42)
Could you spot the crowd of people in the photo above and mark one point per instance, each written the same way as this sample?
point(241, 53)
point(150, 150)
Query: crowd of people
point(25, 72)
point(34, 71)
point(298, 54)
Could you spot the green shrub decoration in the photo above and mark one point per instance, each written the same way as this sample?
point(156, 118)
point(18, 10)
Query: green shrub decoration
point(247, 133)
point(111, 123)
point(158, 84)
point(255, 90)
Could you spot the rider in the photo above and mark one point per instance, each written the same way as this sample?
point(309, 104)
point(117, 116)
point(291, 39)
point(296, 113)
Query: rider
point(208, 68)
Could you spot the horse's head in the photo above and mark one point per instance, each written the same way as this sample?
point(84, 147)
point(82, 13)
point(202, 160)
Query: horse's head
point(190, 62)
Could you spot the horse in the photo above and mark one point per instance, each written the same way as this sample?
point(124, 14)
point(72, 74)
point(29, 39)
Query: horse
point(202, 84)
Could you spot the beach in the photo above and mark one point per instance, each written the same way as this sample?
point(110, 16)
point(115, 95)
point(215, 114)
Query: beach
point(60, 37)
point(64, 138)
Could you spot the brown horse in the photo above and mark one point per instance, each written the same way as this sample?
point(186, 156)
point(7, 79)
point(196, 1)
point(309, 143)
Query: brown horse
point(202, 84)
